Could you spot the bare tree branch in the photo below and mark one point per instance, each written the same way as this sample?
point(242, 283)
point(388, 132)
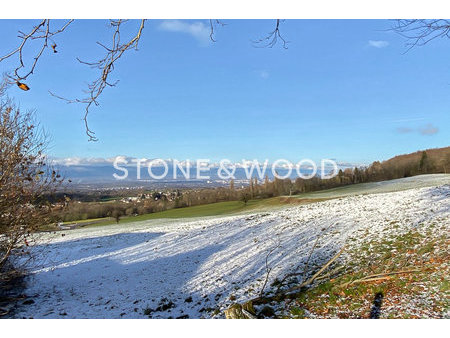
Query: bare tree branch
point(318, 273)
point(213, 23)
point(305, 270)
point(105, 65)
point(40, 32)
point(272, 38)
point(419, 32)
point(269, 268)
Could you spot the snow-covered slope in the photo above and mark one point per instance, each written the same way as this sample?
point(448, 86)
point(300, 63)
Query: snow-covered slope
point(399, 184)
point(177, 268)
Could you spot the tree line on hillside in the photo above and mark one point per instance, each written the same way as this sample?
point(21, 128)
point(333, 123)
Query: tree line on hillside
point(421, 162)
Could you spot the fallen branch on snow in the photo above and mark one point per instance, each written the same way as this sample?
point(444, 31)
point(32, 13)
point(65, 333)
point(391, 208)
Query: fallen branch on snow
point(379, 276)
point(318, 273)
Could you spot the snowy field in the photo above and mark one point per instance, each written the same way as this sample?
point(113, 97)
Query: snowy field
point(190, 268)
point(420, 181)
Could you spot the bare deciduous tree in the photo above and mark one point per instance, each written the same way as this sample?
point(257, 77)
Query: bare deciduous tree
point(25, 180)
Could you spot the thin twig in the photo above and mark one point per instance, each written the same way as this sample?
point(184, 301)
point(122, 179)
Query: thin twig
point(105, 65)
point(213, 24)
point(306, 265)
point(42, 32)
point(268, 268)
point(272, 38)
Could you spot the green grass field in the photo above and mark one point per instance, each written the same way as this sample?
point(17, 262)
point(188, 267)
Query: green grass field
point(84, 221)
point(235, 207)
point(213, 209)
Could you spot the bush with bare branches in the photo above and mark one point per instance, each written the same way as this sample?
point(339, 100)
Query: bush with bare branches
point(25, 181)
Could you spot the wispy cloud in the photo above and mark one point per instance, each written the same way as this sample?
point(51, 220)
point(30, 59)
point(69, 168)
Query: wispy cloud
point(404, 130)
point(197, 29)
point(263, 74)
point(144, 162)
point(408, 119)
point(429, 129)
point(71, 161)
point(378, 43)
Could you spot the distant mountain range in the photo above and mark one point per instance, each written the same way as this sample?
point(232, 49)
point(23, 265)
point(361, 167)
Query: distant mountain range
point(99, 171)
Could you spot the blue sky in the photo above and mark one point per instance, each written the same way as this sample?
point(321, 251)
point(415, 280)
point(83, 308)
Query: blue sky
point(343, 90)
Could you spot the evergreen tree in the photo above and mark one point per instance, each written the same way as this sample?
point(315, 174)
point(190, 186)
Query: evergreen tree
point(424, 163)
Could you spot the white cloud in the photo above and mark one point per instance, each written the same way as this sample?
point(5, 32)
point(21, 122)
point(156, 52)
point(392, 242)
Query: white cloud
point(131, 161)
point(98, 161)
point(70, 161)
point(197, 29)
point(378, 43)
